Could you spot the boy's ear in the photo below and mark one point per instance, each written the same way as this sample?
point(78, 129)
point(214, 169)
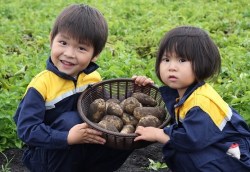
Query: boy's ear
point(94, 58)
point(50, 41)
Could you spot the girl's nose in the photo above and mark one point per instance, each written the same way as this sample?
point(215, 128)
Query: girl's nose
point(172, 66)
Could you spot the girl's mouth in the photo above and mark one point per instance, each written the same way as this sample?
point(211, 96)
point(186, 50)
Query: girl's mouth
point(172, 78)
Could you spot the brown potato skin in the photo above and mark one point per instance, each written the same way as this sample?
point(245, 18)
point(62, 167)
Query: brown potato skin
point(124, 115)
point(127, 129)
point(122, 104)
point(149, 120)
point(118, 123)
point(114, 109)
point(129, 119)
point(158, 112)
point(130, 104)
point(111, 101)
point(107, 125)
point(145, 99)
point(97, 110)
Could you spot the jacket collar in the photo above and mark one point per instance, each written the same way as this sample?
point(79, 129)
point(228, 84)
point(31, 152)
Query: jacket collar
point(51, 67)
point(170, 95)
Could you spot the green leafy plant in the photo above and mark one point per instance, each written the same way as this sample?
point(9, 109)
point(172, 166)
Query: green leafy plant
point(5, 167)
point(135, 30)
point(156, 165)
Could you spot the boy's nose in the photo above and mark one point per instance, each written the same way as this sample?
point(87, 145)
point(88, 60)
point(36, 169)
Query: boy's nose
point(70, 52)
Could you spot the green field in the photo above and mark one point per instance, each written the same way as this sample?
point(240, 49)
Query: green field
point(135, 29)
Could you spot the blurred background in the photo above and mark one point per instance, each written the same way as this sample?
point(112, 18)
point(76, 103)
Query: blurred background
point(135, 30)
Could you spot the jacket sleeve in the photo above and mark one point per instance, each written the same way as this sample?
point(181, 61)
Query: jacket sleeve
point(196, 132)
point(31, 128)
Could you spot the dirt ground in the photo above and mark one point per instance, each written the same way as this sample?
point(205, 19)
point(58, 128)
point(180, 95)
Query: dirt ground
point(137, 161)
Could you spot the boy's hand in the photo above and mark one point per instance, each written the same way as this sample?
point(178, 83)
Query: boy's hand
point(81, 133)
point(142, 80)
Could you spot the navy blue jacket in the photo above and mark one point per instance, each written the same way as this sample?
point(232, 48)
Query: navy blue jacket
point(49, 94)
point(204, 125)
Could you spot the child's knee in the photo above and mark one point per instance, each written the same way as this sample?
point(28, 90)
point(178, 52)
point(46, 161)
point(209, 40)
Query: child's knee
point(66, 121)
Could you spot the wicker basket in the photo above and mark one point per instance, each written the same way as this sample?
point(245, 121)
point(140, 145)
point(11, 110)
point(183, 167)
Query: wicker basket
point(120, 89)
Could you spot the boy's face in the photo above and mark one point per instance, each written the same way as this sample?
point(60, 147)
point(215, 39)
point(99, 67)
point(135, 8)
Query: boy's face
point(69, 56)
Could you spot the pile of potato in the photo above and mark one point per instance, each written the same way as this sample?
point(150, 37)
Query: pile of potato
point(138, 110)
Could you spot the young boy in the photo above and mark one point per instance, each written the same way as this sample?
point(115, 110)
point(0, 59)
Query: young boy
point(47, 119)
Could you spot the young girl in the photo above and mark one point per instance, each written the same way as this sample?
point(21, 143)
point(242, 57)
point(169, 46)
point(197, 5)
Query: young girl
point(207, 134)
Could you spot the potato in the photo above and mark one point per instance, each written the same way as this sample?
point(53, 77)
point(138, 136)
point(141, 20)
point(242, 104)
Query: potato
point(130, 104)
point(129, 119)
point(114, 109)
point(145, 99)
point(97, 110)
point(158, 112)
point(122, 104)
point(107, 125)
point(114, 120)
point(149, 120)
point(112, 100)
point(128, 129)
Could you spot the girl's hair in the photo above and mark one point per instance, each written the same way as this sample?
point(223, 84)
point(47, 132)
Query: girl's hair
point(82, 23)
point(196, 46)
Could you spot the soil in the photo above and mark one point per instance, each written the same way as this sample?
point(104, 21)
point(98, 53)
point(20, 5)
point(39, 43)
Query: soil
point(136, 162)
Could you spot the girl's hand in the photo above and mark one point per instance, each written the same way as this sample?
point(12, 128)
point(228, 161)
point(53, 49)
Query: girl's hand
point(81, 133)
point(142, 80)
point(151, 134)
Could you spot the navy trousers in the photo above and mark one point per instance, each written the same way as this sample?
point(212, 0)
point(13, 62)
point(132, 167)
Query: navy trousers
point(76, 158)
point(206, 161)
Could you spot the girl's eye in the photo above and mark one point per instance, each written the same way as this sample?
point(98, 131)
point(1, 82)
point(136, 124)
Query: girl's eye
point(165, 59)
point(182, 60)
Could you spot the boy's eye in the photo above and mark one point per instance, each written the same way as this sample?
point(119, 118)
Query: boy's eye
point(82, 48)
point(62, 42)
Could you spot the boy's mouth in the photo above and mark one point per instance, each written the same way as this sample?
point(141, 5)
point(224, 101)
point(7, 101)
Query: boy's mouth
point(66, 63)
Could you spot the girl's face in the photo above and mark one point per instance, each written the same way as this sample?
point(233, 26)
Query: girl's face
point(69, 56)
point(176, 72)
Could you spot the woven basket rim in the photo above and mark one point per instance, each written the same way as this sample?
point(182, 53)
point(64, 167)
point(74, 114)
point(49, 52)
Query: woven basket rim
point(93, 125)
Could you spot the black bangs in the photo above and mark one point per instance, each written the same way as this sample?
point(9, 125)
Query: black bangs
point(195, 45)
point(84, 24)
point(185, 46)
point(78, 26)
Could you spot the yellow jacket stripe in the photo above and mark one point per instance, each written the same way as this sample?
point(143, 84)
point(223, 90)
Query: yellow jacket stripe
point(54, 89)
point(210, 102)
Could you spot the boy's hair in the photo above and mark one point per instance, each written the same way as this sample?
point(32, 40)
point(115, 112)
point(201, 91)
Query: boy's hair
point(82, 23)
point(196, 46)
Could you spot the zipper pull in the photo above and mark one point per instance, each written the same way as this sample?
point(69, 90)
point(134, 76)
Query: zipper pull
point(234, 151)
